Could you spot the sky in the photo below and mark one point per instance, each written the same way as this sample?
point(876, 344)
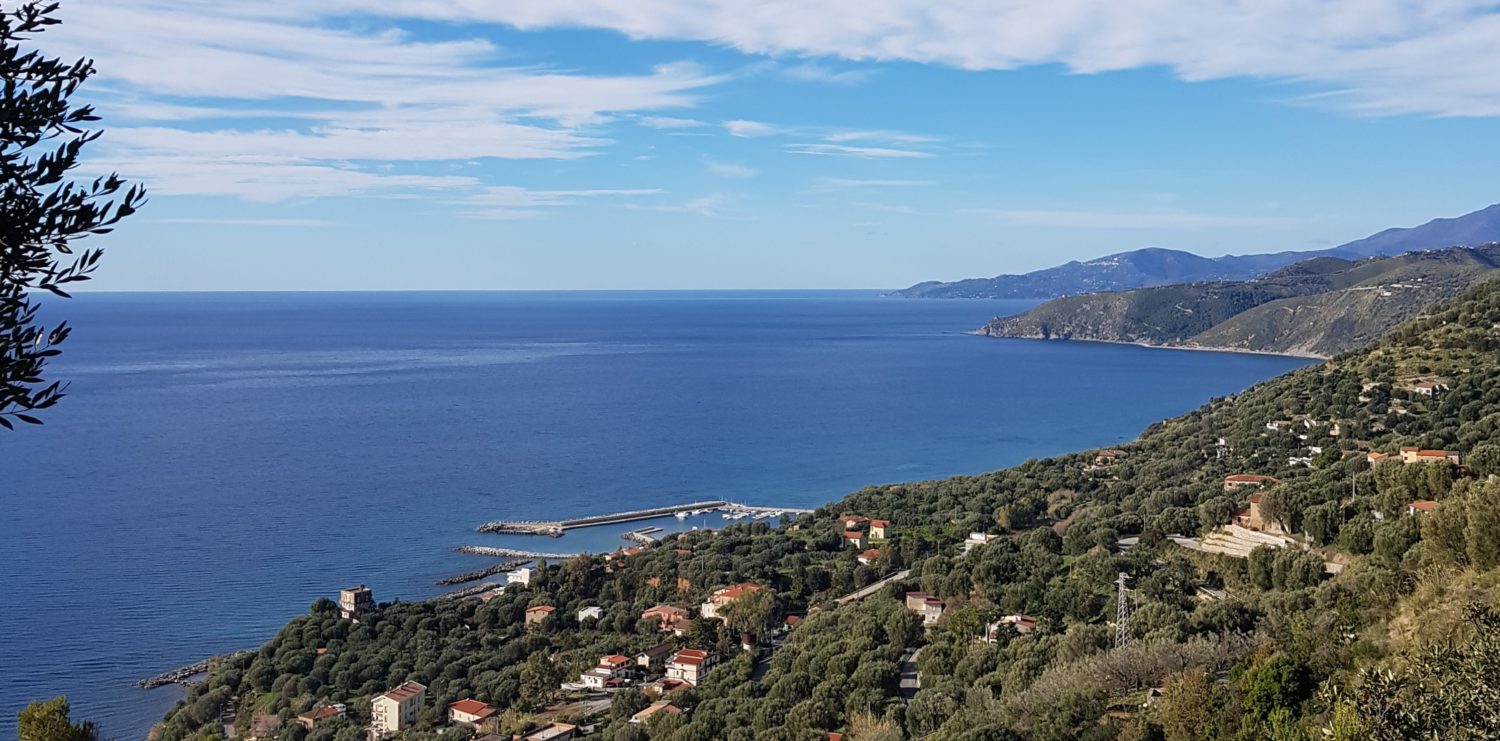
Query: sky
point(605, 144)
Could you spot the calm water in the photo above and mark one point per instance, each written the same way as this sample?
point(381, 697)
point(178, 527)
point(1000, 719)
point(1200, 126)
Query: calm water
point(223, 460)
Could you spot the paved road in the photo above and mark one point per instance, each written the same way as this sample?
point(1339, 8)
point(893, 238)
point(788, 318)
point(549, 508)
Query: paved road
point(909, 683)
point(873, 588)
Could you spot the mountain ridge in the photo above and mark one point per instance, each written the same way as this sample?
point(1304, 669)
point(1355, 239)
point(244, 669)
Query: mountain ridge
point(1316, 308)
point(1154, 266)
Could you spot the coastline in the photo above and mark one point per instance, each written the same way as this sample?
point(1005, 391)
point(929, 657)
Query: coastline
point(1192, 348)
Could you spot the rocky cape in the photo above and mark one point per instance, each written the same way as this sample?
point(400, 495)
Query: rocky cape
point(1318, 308)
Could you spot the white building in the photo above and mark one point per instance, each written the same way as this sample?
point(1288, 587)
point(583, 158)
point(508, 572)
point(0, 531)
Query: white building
point(590, 613)
point(977, 539)
point(520, 576)
point(396, 710)
point(689, 665)
point(610, 671)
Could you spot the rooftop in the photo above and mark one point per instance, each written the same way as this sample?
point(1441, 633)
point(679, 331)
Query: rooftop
point(405, 691)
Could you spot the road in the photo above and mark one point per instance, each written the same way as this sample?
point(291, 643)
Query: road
point(860, 594)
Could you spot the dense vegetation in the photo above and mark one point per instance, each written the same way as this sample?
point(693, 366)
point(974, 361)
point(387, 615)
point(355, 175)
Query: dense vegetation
point(1321, 306)
point(1403, 641)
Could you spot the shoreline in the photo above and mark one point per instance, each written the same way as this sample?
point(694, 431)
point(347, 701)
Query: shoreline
point(1149, 346)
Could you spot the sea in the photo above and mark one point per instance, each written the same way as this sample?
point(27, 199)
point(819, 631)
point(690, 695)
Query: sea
point(222, 460)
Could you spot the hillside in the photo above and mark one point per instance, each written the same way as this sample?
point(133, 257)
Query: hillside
point(1144, 267)
point(1359, 602)
point(1154, 266)
point(1318, 307)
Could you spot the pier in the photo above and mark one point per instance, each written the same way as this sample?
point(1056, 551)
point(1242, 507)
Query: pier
point(555, 528)
point(485, 550)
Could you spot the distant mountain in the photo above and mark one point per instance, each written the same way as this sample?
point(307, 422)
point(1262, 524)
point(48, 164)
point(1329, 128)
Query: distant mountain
point(1154, 266)
point(1320, 307)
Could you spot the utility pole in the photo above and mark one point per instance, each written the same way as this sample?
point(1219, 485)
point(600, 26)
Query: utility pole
point(1122, 613)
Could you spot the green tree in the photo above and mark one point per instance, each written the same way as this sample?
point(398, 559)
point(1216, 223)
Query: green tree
point(49, 721)
point(41, 139)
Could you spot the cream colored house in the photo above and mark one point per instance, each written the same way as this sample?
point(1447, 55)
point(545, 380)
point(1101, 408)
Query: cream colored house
point(396, 710)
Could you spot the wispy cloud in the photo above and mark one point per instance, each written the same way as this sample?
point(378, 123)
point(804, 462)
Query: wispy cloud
point(1082, 219)
point(509, 202)
point(839, 150)
point(730, 170)
point(825, 75)
point(749, 129)
point(670, 122)
point(710, 205)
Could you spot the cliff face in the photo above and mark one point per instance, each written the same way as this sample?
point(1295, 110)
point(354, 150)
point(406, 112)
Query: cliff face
point(1319, 307)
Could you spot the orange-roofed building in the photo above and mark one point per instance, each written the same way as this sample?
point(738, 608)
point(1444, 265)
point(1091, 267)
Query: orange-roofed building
point(670, 617)
point(870, 556)
point(1242, 480)
point(723, 597)
point(539, 614)
point(469, 712)
point(878, 529)
point(1421, 506)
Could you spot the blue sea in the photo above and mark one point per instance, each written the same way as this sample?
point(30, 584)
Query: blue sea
point(222, 460)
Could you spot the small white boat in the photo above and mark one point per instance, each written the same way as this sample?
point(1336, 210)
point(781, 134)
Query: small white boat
point(682, 515)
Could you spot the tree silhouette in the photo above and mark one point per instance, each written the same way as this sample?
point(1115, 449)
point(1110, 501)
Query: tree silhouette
point(42, 211)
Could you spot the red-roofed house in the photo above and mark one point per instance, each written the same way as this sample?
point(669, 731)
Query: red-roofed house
point(689, 665)
point(1418, 455)
point(469, 712)
point(855, 538)
point(1421, 506)
point(870, 556)
point(316, 715)
point(852, 522)
point(1022, 623)
point(674, 619)
point(660, 706)
point(539, 614)
point(611, 671)
point(929, 607)
point(396, 710)
point(878, 528)
point(723, 597)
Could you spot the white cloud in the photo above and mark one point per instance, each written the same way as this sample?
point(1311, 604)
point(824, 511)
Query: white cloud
point(507, 202)
point(826, 75)
point(1082, 219)
point(749, 129)
point(1374, 57)
point(275, 100)
point(669, 122)
point(839, 150)
point(731, 170)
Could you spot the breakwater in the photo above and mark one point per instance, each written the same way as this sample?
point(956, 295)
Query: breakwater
point(468, 576)
point(180, 675)
point(484, 550)
point(473, 591)
point(555, 528)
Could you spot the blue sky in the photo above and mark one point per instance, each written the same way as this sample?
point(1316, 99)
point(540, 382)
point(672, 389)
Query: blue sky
point(546, 144)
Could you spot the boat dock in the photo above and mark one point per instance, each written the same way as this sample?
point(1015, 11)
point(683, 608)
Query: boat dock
point(555, 528)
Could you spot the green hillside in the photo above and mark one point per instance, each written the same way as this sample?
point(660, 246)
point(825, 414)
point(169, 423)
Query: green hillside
point(1401, 641)
point(1319, 307)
